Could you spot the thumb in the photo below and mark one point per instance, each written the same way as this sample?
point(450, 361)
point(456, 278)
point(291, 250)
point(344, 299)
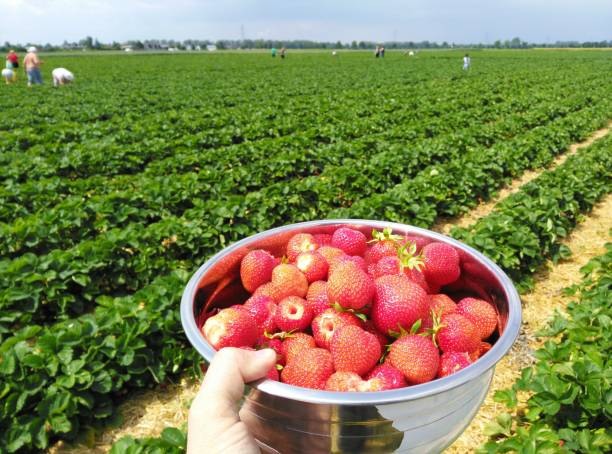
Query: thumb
point(229, 370)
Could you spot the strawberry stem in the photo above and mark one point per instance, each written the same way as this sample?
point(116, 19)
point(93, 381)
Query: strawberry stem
point(408, 258)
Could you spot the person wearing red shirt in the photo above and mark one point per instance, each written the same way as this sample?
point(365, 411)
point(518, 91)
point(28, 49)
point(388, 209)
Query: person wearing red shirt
point(12, 60)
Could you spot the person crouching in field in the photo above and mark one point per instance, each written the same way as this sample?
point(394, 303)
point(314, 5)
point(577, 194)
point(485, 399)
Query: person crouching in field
point(8, 75)
point(466, 62)
point(31, 64)
point(61, 76)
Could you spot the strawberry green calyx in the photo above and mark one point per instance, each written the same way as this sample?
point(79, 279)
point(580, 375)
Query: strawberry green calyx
point(437, 325)
point(408, 257)
point(338, 308)
point(386, 234)
point(402, 332)
point(282, 335)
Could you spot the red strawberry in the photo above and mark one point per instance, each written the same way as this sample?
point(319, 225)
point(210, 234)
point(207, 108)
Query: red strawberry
point(457, 334)
point(330, 253)
point(418, 278)
point(301, 242)
point(293, 313)
point(272, 290)
point(313, 265)
point(379, 250)
point(325, 325)
point(273, 373)
point(256, 269)
point(391, 377)
point(354, 350)
point(350, 286)
point(295, 343)
point(398, 302)
point(231, 328)
point(439, 304)
point(382, 339)
point(275, 344)
point(352, 242)
point(351, 382)
point(480, 313)
point(322, 239)
point(483, 348)
point(290, 279)
point(451, 362)
point(386, 266)
point(310, 369)
point(337, 261)
point(317, 297)
point(416, 357)
point(262, 308)
point(441, 263)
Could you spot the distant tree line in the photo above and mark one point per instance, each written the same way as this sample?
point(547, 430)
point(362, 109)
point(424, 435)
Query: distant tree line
point(90, 43)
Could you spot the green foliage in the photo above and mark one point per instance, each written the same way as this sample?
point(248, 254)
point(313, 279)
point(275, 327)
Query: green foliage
point(113, 190)
point(569, 407)
point(171, 441)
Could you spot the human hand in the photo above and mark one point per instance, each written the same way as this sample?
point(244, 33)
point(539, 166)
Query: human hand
point(214, 425)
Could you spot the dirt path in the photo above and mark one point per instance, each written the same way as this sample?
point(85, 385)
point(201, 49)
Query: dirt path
point(148, 412)
point(586, 241)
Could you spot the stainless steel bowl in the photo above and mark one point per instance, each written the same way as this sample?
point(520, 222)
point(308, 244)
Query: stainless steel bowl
point(418, 419)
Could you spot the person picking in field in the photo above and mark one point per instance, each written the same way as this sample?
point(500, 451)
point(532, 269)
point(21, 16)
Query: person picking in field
point(31, 64)
point(61, 76)
point(13, 60)
point(466, 62)
point(8, 75)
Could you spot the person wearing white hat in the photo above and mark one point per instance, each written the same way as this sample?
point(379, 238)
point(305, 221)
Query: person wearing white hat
point(31, 64)
point(61, 76)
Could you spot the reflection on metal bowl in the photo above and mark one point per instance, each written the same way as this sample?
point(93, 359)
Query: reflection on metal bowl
point(418, 419)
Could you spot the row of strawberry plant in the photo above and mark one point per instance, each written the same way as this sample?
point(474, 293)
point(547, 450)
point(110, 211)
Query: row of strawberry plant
point(592, 154)
point(448, 189)
point(553, 203)
point(30, 353)
point(568, 408)
point(75, 219)
point(141, 143)
point(109, 157)
point(20, 198)
point(187, 157)
point(123, 260)
point(184, 121)
point(59, 379)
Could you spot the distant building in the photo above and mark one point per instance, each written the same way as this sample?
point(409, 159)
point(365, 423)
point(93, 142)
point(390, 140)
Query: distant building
point(211, 47)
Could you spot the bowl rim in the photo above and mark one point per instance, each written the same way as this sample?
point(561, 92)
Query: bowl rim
point(436, 386)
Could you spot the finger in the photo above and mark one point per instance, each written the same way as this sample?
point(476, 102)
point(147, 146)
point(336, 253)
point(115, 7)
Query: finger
point(224, 382)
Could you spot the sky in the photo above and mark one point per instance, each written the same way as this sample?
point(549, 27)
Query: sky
point(460, 21)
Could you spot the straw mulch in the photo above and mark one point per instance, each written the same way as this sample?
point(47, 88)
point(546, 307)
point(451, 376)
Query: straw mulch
point(146, 414)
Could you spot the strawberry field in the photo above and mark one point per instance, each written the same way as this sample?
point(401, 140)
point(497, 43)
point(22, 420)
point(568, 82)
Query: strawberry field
point(113, 191)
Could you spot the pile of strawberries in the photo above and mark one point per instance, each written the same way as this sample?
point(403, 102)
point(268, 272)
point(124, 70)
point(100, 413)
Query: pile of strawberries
point(347, 313)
